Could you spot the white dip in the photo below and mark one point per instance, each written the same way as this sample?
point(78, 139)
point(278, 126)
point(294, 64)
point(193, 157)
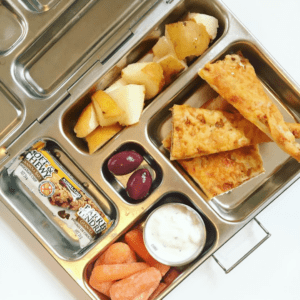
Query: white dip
point(174, 234)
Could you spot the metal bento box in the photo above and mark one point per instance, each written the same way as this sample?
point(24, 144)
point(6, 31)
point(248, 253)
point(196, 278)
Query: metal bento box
point(55, 54)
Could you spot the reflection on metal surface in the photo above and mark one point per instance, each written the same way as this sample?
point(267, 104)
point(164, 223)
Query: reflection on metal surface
point(40, 6)
point(11, 112)
point(2, 152)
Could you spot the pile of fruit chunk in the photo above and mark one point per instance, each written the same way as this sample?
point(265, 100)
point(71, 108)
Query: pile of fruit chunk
point(126, 271)
point(122, 103)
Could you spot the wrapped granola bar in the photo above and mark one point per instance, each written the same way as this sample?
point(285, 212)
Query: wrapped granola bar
point(44, 176)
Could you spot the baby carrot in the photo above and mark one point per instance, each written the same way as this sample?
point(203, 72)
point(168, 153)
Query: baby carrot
point(114, 272)
point(102, 287)
point(117, 253)
point(134, 239)
point(145, 295)
point(159, 290)
point(131, 257)
point(135, 285)
point(171, 276)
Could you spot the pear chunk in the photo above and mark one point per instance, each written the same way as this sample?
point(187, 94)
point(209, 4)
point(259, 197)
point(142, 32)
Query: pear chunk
point(163, 47)
point(120, 82)
point(130, 99)
point(149, 74)
point(107, 111)
point(171, 66)
point(188, 38)
point(211, 23)
point(101, 135)
point(87, 122)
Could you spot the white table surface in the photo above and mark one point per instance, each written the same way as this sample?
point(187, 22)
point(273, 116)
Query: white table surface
point(27, 271)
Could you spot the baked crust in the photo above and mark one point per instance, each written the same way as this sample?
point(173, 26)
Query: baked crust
point(221, 172)
point(235, 80)
point(197, 132)
point(220, 104)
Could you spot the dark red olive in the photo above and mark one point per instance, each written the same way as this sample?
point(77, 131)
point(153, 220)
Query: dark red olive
point(139, 184)
point(124, 162)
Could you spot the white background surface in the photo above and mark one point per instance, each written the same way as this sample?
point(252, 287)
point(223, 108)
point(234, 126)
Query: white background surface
point(27, 271)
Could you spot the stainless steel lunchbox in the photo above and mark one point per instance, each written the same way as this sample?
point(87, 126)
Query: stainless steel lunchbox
point(54, 54)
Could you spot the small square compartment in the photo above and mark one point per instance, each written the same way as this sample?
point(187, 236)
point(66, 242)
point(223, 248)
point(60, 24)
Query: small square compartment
point(118, 183)
point(49, 227)
point(280, 168)
point(172, 197)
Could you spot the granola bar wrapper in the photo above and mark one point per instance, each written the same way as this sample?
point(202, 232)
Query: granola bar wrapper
point(46, 178)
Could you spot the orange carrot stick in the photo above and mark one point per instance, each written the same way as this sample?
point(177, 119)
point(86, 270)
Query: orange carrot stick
point(134, 239)
point(117, 253)
point(131, 258)
point(135, 285)
point(171, 276)
point(102, 287)
point(114, 272)
point(145, 295)
point(158, 291)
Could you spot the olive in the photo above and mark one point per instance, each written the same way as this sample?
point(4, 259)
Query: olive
point(124, 162)
point(139, 184)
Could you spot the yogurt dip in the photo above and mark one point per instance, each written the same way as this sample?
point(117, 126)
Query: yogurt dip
point(174, 234)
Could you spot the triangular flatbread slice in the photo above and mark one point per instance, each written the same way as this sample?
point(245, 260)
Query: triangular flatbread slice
point(197, 132)
point(221, 172)
point(221, 104)
point(235, 80)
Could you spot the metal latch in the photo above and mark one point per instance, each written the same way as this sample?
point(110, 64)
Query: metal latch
point(218, 257)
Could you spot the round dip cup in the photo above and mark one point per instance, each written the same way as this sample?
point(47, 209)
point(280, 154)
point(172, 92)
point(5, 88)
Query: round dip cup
point(174, 234)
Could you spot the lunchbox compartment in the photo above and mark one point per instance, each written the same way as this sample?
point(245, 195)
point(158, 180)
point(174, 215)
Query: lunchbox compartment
point(136, 53)
point(48, 227)
point(68, 43)
point(118, 183)
point(280, 168)
point(171, 197)
point(12, 29)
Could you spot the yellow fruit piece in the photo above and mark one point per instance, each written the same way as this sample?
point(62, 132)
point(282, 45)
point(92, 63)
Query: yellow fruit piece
point(87, 122)
point(163, 47)
point(188, 38)
point(108, 106)
point(149, 74)
point(171, 66)
point(101, 135)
